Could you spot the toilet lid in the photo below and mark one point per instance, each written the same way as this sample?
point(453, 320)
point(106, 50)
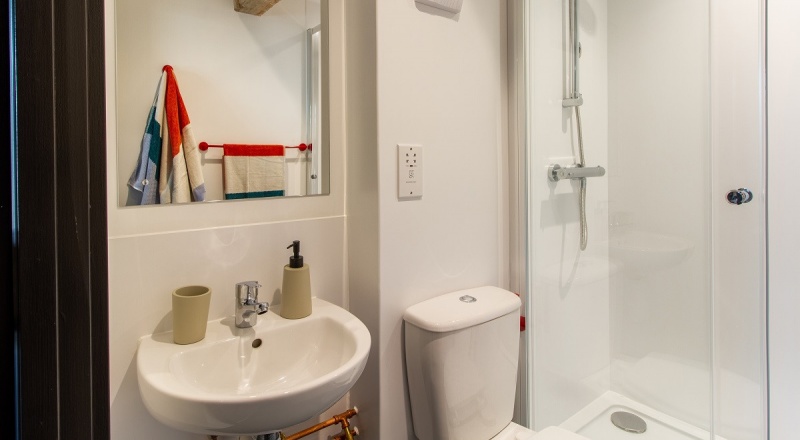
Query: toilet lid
point(461, 309)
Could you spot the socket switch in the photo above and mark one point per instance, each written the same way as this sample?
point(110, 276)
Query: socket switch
point(409, 172)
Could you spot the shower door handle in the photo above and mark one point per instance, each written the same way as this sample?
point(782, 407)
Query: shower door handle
point(739, 196)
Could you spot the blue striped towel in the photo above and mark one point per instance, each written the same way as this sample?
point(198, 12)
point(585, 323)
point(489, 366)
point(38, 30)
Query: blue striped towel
point(144, 179)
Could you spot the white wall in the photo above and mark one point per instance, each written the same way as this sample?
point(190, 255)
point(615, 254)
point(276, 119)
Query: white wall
point(153, 250)
point(441, 83)
point(363, 234)
point(569, 289)
point(784, 155)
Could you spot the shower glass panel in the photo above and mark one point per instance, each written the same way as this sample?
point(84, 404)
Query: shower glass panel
point(623, 333)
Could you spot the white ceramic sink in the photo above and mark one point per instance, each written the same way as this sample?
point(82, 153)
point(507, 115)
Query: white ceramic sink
point(229, 384)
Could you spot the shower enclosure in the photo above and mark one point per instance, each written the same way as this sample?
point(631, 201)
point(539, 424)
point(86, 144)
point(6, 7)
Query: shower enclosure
point(657, 328)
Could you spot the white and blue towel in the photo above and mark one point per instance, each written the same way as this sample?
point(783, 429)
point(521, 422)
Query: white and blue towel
point(144, 179)
point(169, 168)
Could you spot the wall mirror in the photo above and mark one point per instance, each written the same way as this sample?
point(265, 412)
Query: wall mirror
point(245, 81)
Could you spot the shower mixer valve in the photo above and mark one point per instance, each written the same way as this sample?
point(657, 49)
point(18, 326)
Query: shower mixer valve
point(557, 172)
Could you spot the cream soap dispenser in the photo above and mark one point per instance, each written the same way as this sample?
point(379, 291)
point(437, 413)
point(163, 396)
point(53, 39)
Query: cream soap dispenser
point(296, 290)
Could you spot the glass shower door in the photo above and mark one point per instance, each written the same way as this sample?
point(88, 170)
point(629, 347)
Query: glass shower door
point(658, 324)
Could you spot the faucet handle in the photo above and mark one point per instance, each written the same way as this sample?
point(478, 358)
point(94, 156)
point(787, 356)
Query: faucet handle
point(249, 284)
point(247, 291)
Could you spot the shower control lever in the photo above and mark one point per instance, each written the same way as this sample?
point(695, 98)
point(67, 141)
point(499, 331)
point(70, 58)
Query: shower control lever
point(557, 172)
point(739, 196)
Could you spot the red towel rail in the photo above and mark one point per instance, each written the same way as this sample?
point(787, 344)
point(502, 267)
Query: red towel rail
point(205, 146)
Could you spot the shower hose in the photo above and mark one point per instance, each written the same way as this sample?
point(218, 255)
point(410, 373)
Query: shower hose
point(582, 196)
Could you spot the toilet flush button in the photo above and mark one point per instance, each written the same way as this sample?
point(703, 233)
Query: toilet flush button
point(467, 299)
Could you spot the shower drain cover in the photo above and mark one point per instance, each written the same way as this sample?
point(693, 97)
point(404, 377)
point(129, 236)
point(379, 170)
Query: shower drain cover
point(629, 422)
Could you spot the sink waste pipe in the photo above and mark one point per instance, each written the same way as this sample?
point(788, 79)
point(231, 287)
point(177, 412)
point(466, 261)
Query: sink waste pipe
point(348, 431)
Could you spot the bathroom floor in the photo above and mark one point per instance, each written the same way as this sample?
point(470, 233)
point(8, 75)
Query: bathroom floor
point(594, 422)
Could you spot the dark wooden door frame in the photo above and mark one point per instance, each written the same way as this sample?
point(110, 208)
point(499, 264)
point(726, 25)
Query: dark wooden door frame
point(7, 307)
point(59, 270)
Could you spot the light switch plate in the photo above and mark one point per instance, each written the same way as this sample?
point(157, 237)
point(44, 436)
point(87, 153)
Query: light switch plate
point(409, 172)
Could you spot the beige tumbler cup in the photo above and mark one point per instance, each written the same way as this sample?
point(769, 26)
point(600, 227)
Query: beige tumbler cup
point(190, 313)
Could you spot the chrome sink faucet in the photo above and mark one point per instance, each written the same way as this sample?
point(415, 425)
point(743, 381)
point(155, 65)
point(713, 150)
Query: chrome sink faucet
point(247, 306)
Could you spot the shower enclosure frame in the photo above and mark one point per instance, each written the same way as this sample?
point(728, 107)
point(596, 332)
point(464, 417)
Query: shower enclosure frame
point(723, 131)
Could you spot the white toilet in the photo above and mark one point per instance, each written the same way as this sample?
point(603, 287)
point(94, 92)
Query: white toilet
point(461, 360)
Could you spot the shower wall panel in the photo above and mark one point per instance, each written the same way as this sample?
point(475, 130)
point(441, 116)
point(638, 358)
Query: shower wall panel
point(570, 288)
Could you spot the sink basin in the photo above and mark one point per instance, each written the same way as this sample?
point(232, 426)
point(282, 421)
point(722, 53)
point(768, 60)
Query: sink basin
point(255, 380)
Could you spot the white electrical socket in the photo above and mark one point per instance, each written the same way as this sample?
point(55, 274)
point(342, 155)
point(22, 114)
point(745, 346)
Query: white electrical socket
point(409, 171)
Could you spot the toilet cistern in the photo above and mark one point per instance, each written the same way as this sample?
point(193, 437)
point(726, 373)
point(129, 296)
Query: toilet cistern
point(247, 306)
point(462, 352)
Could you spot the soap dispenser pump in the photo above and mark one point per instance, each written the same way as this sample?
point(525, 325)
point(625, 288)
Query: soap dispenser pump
point(296, 290)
